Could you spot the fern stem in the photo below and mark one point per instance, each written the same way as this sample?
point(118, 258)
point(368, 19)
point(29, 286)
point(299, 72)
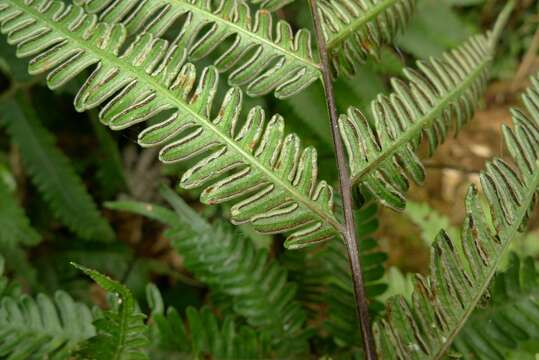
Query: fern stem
point(349, 233)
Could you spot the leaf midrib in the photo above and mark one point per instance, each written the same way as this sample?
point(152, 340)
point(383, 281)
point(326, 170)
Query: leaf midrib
point(510, 234)
point(247, 33)
point(368, 16)
point(323, 215)
point(419, 125)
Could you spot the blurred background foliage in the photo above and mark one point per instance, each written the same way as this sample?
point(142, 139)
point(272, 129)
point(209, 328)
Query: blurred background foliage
point(94, 166)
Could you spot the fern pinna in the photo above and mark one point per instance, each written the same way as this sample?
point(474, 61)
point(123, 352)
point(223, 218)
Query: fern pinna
point(354, 30)
point(229, 263)
point(511, 317)
point(42, 327)
point(202, 334)
point(150, 77)
point(461, 271)
point(120, 332)
point(264, 57)
point(382, 153)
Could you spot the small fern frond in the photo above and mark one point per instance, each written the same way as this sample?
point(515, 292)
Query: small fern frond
point(15, 226)
point(52, 172)
point(202, 335)
point(262, 57)
point(356, 29)
point(231, 265)
point(121, 332)
point(272, 5)
point(511, 317)
point(461, 272)
point(382, 152)
point(43, 328)
point(271, 178)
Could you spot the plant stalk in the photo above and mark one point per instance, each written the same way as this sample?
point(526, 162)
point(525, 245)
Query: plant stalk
point(349, 233)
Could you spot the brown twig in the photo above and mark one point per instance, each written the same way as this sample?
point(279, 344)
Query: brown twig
point(349, 234)
point(527, 62)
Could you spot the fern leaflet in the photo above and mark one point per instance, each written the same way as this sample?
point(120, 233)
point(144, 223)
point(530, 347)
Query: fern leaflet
point(461, 272)
point(203, 334)
point(230, 265)
point(279, 177)
point(121, 332)
point(52, 172)
point(355, 29)
point(263, 58)
point(511, 318)
point(16, 228)
point(43, 328)
point(382, 152)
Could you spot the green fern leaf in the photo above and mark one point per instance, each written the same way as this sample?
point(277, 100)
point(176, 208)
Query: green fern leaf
point(461, 272)
point(356, 29)
point(121, 332)
point(15, 226)
point(272, 5)
point(42, 328)
point(203, 335)
point(230, 264)
point(263, 58)
point(52, 172)
point(511, 317)
point(278, 177)
point(382, 152)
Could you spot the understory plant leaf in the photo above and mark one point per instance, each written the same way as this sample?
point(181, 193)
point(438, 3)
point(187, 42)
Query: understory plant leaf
point(42, 328)
point(460, 272)
point(52, 173)
point(202, 334)
point(270, 177)
point(509, 320)
point(121, 331)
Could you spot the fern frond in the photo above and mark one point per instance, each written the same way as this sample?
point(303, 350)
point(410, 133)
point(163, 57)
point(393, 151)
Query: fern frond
point(461, 272)
point(52, 172)
point(511, 317)
point(230, 264)
point(262, 57)
point(15, 226)
point(273, 176)
point(121, 332)
point(382, 152)
point(43, 328)
point(202, 335)
point(356, 29)
point(272, 5)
